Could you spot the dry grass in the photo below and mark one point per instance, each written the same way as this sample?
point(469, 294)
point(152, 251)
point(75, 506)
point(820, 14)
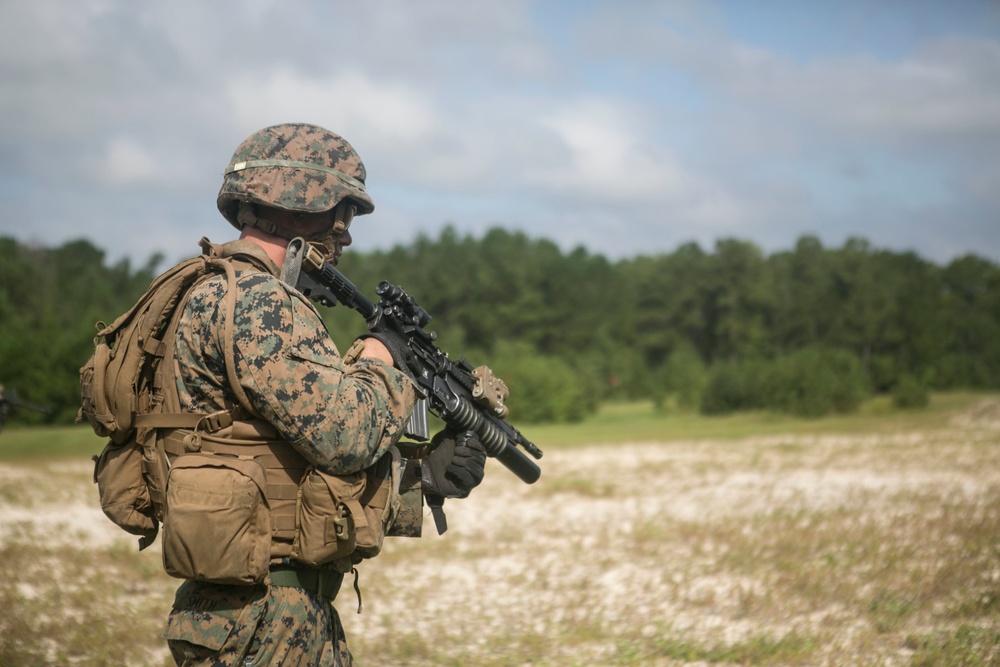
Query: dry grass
point(830, 549)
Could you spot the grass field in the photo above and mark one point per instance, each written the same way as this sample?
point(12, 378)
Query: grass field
point(651, 539)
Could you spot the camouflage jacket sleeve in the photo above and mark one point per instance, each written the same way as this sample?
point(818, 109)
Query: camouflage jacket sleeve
point(340, 418)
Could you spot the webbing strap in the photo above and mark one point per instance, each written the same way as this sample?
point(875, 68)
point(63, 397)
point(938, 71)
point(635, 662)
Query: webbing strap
point(413, 450)
point(276, 455)
point(321, 581)
point(175, 420)
point(221, 257)
point(154, 347)
point(381, 496)
point(234, 380)
point(209, 423)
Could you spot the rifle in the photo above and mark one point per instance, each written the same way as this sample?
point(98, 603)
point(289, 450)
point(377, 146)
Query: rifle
point(466, 398)
point(9, 401)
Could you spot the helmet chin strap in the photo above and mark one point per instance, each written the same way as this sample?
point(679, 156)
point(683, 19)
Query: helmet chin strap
point(246, 216)
point(343, 213)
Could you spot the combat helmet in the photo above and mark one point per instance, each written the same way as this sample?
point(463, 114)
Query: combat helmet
point(296, 167)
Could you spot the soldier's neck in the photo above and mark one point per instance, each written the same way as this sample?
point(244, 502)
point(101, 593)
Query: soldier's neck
point(274, 246)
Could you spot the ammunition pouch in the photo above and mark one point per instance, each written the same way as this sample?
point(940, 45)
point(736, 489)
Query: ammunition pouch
point(363, 504)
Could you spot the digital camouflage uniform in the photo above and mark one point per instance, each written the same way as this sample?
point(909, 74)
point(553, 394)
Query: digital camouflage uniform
point(340, 418)
point(337, 418)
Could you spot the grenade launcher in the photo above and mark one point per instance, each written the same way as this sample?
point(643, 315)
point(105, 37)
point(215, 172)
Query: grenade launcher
point(466, 398)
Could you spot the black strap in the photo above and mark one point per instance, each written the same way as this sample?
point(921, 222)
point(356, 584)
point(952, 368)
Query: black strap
point(357, 587)
point(436, 503)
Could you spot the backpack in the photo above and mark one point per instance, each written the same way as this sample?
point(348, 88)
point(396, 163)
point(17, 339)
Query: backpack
point(122, 388)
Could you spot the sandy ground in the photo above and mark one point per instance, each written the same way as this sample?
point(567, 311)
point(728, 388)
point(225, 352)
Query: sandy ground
point(614, 544)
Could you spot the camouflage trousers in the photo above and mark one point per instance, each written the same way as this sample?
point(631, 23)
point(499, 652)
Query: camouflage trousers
point(232, 626)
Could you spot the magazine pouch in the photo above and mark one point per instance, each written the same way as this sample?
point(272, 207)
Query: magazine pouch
point(340, 516)
point(324, 525)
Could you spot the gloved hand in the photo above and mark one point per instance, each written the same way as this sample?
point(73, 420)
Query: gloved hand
point(455, 466)
point(401, 356)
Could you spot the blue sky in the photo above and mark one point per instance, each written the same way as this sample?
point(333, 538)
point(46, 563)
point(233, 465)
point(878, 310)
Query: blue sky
point(626, 127)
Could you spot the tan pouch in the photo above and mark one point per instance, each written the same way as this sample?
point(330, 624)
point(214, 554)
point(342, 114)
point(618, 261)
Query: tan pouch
point(337, 516)
point(93, 403)
point(154, 469)
point(324, 526)
point(217, 526)
point(377, 504)
point(122, 490)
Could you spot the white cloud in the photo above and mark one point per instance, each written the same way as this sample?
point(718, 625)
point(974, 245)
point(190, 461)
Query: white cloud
point(604, 155)
point(346, 102)
point(611, 160)
point(946, 90)
point(126, 162)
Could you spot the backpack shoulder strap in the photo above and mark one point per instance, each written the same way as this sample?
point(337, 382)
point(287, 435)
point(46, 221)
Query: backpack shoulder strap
point(217, 259)
point(243, 252)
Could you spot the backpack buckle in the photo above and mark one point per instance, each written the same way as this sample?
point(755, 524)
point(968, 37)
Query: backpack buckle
point(215, 421)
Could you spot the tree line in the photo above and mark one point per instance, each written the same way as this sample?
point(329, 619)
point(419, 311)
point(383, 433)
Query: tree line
point(810, 330)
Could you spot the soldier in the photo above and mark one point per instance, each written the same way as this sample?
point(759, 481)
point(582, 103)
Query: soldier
point(288, 386)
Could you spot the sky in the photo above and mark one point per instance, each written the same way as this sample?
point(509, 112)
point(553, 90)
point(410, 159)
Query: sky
point(628, 128)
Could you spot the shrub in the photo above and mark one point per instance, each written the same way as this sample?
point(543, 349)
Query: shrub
point(682, 377)
point(910, 392)
point(732, 386)
point(542, 388)
point(966, 370)
point(813, 382)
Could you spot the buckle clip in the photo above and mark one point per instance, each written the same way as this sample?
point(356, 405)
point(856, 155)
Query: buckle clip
point(215, 422)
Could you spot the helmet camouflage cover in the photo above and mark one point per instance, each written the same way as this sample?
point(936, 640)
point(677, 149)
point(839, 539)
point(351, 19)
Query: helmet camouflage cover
point(296, 167)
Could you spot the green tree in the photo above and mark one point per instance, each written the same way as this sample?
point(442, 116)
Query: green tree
point(805, 304)
point(673, 326)
point(740, 301)
point(971, 308)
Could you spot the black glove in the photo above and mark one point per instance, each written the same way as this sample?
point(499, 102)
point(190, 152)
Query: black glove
point(455, 466)
point(401, 355)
